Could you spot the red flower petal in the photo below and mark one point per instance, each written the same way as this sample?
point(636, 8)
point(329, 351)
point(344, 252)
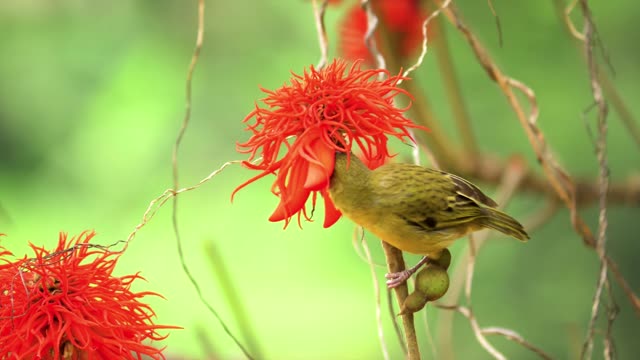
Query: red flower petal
point(291, 202)
point(321, 168)
point(68, 300)
point(314, 116)
point(331, 214)
point(402, 19)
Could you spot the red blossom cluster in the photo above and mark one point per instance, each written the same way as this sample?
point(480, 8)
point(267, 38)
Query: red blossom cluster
point(66, 304)
point(402, 21)
point(306, 121)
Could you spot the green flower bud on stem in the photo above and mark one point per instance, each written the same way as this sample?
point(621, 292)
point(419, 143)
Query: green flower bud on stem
point(414, 302)
point(444, 260)
point(432, 281)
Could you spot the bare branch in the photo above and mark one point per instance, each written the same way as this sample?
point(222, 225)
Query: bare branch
point(511, 180)
point(425, 24)
point(318, 12)
point(567, 18)
point(454, 94)
point(369, 36)
point(358, 235)
point(176, 147)
point(497, 18)
point(477, 331)
point(517, 338)
point(557, 178)
point(603, 178)
point(395, 263)
point(158, 202)
point(609, 89)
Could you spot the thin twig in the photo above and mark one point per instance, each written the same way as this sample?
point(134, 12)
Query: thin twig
point(603, 177)
point(557, 178)
point(567, 19)
point(517, 338)
point(612, 313)
point(621, 108)
point(497, 18)
point(159, 201)
point(463, 271)
point(318, 12)
point(358, 233)
point(369, 36)
point(395, 264)
point(454, 93)
point(477, 331)
point(425, 24)
point(395, 261)
point(181, 132)
point(610, 91)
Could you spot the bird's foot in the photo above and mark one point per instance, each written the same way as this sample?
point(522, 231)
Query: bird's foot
point(398, 278)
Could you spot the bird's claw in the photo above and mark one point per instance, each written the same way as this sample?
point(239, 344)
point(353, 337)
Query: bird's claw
point(397, 278)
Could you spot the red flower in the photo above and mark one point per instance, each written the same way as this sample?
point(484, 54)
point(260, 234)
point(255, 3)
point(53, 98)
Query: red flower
point(67, 304)
point(325, 110)
point(402, 19)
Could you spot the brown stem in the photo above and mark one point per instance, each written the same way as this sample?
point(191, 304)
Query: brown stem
point(490, 169)
point(453, 90)
point(620, 107)
point(563, 185)
point(610, 91)
point(395, 263)
point(421, 109)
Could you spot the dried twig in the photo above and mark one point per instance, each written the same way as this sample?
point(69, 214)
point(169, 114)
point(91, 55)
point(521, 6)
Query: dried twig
point(517, 338)
point(159, 201)
point(497, 18)
point(464, 271)
point(395, 263)
point(183, 128)
point(425, 24)
point(620, 107)
point(369, 38)
point(358, 235)
point(559, 180)
point(603, 178)
point(318, 12)
point(477, 331)
point(609, 89)
point(454, 94)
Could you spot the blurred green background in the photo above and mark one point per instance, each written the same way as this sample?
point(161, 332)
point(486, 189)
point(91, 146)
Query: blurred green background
point(91, 99)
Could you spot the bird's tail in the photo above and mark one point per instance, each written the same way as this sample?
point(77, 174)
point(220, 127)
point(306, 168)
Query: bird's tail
point(504, 223)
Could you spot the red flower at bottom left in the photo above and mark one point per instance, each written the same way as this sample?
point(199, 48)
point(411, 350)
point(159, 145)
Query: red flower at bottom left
point(66, 304)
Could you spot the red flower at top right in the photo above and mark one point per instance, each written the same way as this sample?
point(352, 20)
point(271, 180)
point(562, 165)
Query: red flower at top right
point(401, 20)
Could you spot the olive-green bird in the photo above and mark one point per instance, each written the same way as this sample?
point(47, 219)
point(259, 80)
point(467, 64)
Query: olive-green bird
point(413, 208)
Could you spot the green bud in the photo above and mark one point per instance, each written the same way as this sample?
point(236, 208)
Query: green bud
point(444, 260)
point(414, 302)
point(432, 281)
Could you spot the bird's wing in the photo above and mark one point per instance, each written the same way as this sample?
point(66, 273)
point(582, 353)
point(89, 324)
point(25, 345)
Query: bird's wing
point(470, 191)
point(428, 199)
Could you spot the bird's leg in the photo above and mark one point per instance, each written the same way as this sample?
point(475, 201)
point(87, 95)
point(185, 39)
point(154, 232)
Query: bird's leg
point(397, 278)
